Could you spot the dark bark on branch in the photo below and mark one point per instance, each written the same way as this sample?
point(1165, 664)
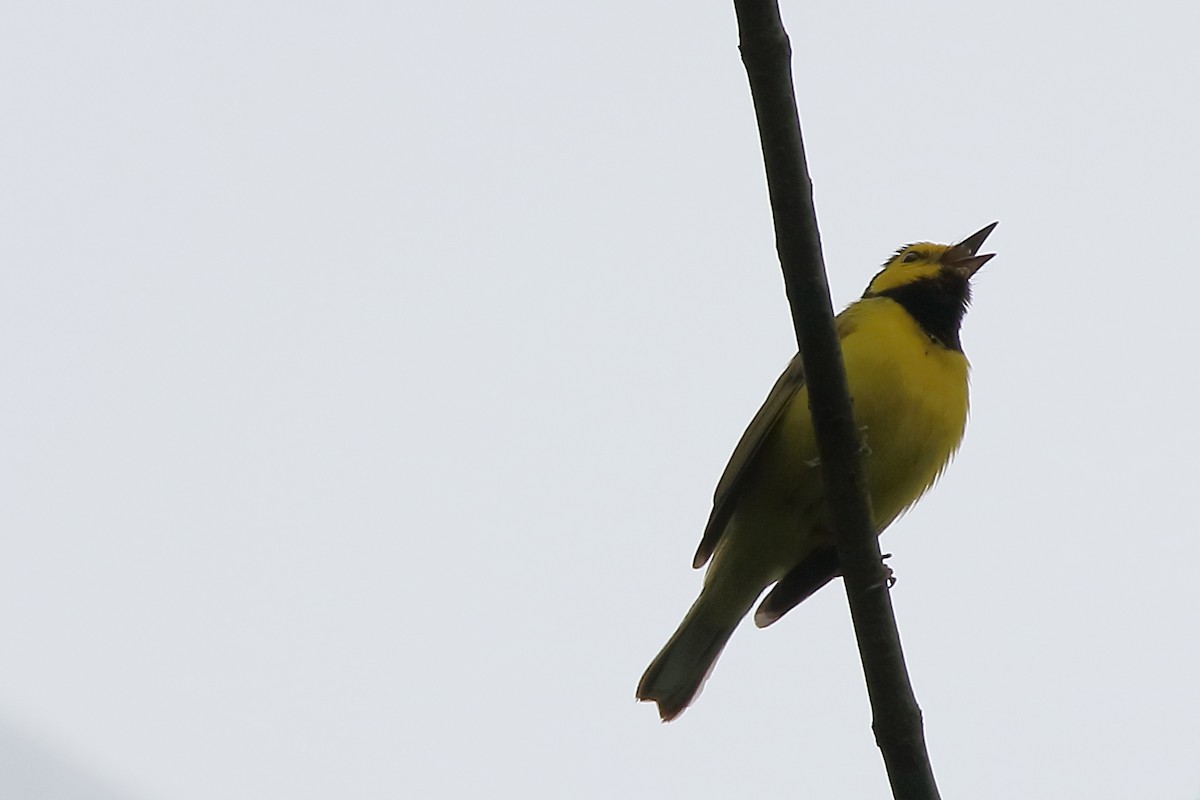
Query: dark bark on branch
point(766, 53)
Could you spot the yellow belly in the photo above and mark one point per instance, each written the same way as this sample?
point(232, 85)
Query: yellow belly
point(910, 402)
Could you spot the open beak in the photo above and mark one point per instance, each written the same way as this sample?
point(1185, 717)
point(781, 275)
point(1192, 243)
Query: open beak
point(961, 257)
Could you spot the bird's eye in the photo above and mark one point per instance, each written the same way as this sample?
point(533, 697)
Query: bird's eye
point(910, 258)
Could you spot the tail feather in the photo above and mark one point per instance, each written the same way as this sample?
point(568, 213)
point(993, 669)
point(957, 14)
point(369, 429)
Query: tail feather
point(677, 674)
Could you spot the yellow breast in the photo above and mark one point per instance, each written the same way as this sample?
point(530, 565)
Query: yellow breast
point(910, 399)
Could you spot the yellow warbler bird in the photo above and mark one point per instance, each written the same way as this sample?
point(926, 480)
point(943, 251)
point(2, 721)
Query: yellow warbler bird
point(770, 523)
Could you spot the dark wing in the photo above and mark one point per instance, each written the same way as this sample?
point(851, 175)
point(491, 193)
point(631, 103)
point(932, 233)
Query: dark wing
point(816, 569)
point(729, 487)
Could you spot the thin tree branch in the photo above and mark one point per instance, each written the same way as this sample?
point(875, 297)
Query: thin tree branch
point(766, 53)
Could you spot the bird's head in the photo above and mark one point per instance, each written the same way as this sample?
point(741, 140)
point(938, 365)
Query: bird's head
point(925, 261)
point(933, 282)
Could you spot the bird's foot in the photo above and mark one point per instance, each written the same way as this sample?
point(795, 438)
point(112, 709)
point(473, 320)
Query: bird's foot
point(863, 447)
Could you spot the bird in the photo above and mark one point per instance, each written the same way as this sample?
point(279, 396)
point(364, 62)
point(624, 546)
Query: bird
point(770, 524)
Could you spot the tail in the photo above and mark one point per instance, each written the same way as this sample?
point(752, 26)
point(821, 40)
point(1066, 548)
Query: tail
point(677, 674)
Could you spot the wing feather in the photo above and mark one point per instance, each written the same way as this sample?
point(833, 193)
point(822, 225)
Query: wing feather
point(728, 487)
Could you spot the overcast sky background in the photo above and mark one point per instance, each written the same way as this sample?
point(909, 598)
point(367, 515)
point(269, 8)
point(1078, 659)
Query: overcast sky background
point(367, 370)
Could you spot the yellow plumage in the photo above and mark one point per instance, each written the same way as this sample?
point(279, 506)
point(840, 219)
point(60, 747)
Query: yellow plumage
point(769, 525)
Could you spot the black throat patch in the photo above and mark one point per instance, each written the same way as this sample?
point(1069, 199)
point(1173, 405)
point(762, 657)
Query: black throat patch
point(937, 304)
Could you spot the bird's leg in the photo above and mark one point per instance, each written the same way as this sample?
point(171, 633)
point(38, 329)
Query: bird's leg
point(863, 447)
point(889, 574)
point(889, 577)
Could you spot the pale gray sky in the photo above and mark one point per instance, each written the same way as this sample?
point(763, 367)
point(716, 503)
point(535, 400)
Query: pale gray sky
point(368, 369)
